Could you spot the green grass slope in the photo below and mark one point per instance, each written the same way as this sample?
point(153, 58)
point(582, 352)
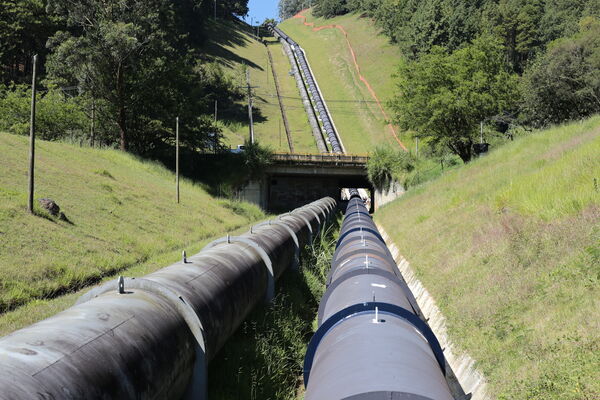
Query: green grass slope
point(122, 213)
point(509, 247)
point(233, 47)
point(359, 120)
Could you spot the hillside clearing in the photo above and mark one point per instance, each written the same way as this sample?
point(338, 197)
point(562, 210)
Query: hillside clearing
point(509, 247)
point(353, 108)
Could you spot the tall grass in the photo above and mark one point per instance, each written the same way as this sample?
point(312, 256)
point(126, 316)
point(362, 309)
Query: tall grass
point(264, 359)
point(508, 246)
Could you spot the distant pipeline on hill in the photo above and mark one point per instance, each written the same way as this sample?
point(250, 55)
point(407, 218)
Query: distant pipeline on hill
point(319, 104)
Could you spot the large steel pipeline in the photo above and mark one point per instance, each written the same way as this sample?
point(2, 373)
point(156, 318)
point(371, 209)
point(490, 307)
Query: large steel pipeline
point(310, 112)
point(312, 87)
point(371, 343)
point(152, 337)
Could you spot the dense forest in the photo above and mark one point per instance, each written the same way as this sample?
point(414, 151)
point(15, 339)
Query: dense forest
point(526, 63)
point(115, 73)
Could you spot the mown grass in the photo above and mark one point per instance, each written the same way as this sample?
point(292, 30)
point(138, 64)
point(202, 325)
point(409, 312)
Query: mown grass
point(234, 48)
point(122, 213)
point(264, 359)
point(509, 247)
point(358, 119)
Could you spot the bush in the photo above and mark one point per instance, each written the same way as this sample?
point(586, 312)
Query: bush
point(385, 165)
point(57, 116)
point(256, 159)
point(330, 8)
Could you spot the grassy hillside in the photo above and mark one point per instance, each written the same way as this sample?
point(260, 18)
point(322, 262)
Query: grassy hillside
point(233, 47)
point(122, 213)
point(509, 246)
point(354, 110)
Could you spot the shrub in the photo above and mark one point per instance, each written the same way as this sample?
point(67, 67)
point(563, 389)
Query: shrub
point(57, 116)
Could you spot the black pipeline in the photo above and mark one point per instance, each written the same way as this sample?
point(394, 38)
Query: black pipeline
point(371, 343)
point(152, 337)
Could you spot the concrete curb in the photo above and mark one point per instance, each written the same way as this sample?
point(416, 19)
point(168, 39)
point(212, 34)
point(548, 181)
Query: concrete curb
point(464, 370)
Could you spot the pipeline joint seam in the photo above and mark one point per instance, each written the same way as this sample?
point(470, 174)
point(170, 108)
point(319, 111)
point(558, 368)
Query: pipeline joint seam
point(367, 271)
point(360, 229)
point(146, 285)
point(260, 251)
point(360, 309)
point(306, 221)
point(281, 223)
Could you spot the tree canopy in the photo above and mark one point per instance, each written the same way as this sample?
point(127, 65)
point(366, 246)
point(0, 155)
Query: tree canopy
point(444, 96)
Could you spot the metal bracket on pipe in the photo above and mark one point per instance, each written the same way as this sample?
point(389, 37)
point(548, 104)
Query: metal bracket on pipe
point(197, 386)
point(147, 285)
point(307, 222)
point(296, 262)
point(260, 251)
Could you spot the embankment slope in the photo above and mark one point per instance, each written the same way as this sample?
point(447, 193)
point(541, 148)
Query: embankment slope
point(509, 247)
point(122, 214)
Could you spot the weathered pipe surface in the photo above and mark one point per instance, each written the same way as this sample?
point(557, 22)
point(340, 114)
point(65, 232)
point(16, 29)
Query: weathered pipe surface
point(371, 343)
point(140, 343)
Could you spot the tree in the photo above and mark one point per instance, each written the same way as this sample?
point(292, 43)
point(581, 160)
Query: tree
point(564, 83)
point(24, 29)
point(444, 96)
point(330, 8)
point(107, 49)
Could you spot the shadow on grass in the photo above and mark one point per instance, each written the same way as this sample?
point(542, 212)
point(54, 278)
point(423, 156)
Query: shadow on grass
point(228, 34)
point(264, 358)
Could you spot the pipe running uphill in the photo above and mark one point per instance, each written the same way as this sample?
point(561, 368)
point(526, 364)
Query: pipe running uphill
point(152, 337)
point(319, 104)
point(372, 343)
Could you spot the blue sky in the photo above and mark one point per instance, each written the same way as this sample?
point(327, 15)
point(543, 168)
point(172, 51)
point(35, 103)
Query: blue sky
point(261, 9)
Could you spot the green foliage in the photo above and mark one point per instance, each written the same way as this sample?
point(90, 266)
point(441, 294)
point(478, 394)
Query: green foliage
point(330, 8)
point(58, 116)
point(564, 83)
point(24, 29)
point(386, 165)
point(289, 8)
point(263, 359)
point(138, 62)
point(444, 96)
point(255, 159)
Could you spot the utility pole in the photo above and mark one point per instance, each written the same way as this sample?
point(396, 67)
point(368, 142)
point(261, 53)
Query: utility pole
point(215, 111)
point(32, 137)
point(215, 16)
point(250, 106)
point(249, 94)
point(481, 133)
point(177, 157)
point(92, 130)
point(417, 147)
